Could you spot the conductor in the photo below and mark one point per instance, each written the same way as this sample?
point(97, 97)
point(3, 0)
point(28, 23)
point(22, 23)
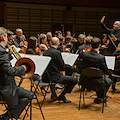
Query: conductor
point(113, 33)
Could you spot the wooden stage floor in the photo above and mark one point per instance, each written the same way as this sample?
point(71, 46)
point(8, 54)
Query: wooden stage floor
point(69, 111)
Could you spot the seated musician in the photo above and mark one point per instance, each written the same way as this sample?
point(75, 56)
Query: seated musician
point(32, 46)
point(94, 59)
point(11, 41)
point(61, 47)
point(19, 38)
point(104, 41)
point(54, 69)
point(43, 42)
point(68, 33)
point(68, 44)
point(117, 69)
point(49, 36)
point(78, 43)
point(17, 98)
point(58, 33)
point(86, 46)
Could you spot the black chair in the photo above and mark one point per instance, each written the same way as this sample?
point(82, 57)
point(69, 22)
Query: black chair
point(116, 74)
point(40, 84)
point(3, 102)
point(91, 72)
point(78, 64)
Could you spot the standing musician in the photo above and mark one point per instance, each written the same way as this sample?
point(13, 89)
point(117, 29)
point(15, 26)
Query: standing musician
point(16, 97)
point(114, 33)
point(56, 65)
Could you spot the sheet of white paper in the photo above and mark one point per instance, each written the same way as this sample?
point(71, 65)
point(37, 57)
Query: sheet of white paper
point(41, 62)
point(110, 61)
point(69, 58)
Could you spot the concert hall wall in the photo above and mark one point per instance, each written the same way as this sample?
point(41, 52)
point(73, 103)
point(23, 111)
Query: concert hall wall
point(37, 18)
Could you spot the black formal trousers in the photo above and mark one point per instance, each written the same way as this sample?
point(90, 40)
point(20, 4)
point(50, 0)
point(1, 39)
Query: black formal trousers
point(23, 97)
point(68, 81)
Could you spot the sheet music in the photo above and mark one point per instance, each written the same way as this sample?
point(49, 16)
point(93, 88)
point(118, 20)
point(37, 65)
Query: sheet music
point(69, 58)
point(110, 61)
point(41, 62)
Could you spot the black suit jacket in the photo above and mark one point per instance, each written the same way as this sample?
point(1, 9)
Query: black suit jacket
point(109, 31)
point(94, 59)
point(7, 72)
point(56, 65)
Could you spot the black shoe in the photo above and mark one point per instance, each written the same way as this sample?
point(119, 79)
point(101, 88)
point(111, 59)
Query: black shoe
point(53, 97)
point(64, 99)
point(42, 88)
point(97, 100)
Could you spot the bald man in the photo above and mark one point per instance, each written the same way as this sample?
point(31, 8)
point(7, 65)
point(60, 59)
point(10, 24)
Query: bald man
point(56, 65)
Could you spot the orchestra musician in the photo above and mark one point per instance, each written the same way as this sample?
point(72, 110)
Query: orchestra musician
point(58, 33)
point(78, 43)
point(114, 34)
point(68, 44)
point(86, 46)
point(56, 65)
point(104, 41)
point(43, 45)
point(49, 37)
point(32, 46)
point(94, 59)
point(19, 40)
point(16, 97)
point(117, 68)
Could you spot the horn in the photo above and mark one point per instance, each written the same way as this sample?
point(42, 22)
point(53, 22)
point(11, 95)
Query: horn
point(23, 61)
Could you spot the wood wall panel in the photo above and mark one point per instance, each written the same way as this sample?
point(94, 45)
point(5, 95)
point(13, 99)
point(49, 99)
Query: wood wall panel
point(100, 3)
point(37, 19)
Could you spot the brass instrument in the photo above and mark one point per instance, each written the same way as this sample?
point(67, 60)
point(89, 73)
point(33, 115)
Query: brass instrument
point(23, 61)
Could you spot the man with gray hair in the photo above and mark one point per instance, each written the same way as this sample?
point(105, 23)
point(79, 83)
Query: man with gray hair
point(54, 69)
point(114, 34)
point(80, 42)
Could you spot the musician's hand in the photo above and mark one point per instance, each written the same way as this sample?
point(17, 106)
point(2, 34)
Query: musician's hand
point(113, 38)
point(102, 20)
point(25, 46)
point(9, 48)
point(25, 67)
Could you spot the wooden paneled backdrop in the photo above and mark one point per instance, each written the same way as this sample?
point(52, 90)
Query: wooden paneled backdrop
point(37, 18)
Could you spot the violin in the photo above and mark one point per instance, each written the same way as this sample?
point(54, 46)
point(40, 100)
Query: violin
point(37, 51)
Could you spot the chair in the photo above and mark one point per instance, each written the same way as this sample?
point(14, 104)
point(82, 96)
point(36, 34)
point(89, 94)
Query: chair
point(39, 84)
point(91, 72)
point(78, 64)
point(3, 102)
point(115, 74)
